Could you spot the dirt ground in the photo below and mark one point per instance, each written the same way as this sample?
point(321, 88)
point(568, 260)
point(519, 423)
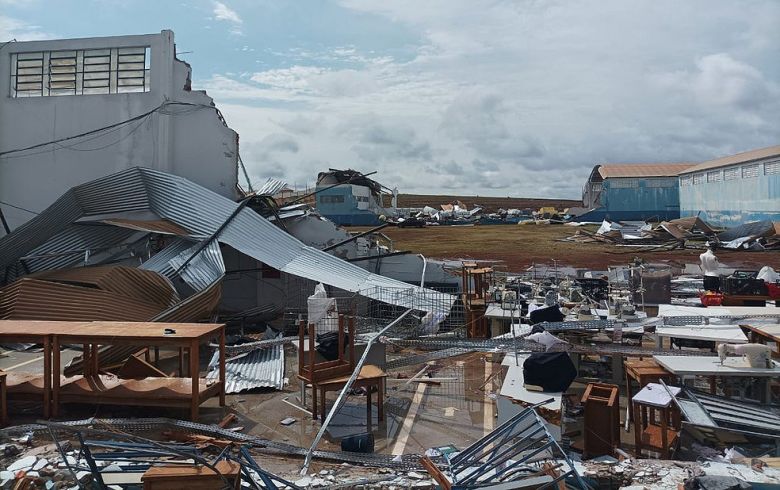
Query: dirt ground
point(521, 246)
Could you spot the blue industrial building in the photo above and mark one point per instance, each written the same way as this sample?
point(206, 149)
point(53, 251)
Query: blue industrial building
point(735, 189)
point(632, 192)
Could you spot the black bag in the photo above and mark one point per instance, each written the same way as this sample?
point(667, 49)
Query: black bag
point(548, 314)
point(553, 371)
point(328, 345)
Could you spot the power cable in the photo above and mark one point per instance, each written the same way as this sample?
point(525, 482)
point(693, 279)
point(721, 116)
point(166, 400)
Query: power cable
point(159, 108)
point(18, 207)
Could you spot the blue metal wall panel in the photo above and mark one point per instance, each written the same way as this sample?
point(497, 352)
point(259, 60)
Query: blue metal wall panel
point(733, 202)
point(636, 203)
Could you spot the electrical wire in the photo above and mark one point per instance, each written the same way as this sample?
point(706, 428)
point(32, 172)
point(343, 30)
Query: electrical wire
point(104, 130)
point(18, 207)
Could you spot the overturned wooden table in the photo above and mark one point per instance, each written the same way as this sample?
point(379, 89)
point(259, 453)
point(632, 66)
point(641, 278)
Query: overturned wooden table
point(93, 387)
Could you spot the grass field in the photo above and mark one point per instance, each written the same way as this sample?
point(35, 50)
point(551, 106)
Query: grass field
point(521, 246)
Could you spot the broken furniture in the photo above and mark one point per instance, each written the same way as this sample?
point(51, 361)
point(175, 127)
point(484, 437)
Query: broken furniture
point(656, 420)
point(689, 367)
point(602, 419)
point(193, 477)
point(519, 452)
point(476, 282)
point(643, 371)
point(716, 420)
point(324, 376)
point(30, 386)
point(95, 387)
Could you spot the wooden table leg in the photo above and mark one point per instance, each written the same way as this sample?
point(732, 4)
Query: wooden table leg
point(381, 401)
point(664, 428)
point(628, 396)
point(222, 377)
point(47, 376)
point(87, 362)
point(313, 401)
point(195, 376)
point(637, 430)
point(324, 402)
point(94, 357)
point(55, 371)
point(181, 362)
point(3, 401)
point(368, 408)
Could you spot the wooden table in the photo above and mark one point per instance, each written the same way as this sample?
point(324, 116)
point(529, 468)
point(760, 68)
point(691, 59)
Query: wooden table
point(94, 387)
point(369, 377)
point(643, 371)
point(656, 421)
point(30, 385)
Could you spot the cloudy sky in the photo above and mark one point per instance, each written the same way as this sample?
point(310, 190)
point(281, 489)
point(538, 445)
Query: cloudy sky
point(514, 98)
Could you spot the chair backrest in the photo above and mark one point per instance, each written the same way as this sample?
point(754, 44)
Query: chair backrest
point(313, 371)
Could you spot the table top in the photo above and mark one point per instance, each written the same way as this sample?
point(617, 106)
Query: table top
point(771, 331)
point(110, 330)
point(711, 366)
point(717, 333)
point(656, 395)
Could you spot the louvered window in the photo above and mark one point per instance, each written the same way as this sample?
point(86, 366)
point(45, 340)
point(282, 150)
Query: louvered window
point(713, 176)
point(749, 171)
point(731, 173)
point(772, 168)
point(80, 72)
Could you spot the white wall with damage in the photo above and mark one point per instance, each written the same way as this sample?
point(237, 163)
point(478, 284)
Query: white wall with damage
point(187, 140)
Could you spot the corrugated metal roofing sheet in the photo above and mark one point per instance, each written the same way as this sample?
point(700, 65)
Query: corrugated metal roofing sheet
point(271, 187)
point(33, 299)
point(744, 157)
point(260, 368)
point(203, 212)
point(613, 170)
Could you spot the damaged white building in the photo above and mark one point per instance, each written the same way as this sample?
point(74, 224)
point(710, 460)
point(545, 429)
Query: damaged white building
point(74, 110)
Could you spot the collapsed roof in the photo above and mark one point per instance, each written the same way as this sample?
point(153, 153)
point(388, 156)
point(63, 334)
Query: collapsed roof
point(111, 215)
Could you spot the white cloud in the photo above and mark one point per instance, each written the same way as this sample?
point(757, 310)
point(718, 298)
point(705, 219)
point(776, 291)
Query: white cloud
point(11, 28)
point(223, 12)
point(517, 98)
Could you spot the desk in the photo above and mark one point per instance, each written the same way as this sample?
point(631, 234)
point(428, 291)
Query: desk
point(692, 366)
point(25, 385)
point(643, 371)
point(93, 387)
point(731, 334)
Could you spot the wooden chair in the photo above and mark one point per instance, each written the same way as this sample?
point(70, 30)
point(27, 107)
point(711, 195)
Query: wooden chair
point(327, 376)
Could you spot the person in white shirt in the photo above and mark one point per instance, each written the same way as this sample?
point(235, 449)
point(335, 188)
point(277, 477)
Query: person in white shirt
point(710, 266)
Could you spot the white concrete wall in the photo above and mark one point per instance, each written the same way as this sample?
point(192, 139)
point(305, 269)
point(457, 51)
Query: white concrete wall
point(196, 145)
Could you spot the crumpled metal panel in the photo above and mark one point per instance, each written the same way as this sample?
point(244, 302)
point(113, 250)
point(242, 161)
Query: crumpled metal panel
point(260, 368)
point(203, 212)
point(204, 268)
point(129, 282)
point(271, 187)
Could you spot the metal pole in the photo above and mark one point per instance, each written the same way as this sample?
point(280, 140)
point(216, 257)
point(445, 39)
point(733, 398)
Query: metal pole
point(347, 386)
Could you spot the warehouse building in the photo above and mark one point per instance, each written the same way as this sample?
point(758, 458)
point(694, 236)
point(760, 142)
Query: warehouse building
point(734, 189)
point(632, 191)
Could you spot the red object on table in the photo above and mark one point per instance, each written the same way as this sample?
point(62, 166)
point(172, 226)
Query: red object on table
point(711, 299)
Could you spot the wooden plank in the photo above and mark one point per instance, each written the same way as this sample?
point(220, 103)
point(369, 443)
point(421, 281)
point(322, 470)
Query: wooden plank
point(406, 428)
